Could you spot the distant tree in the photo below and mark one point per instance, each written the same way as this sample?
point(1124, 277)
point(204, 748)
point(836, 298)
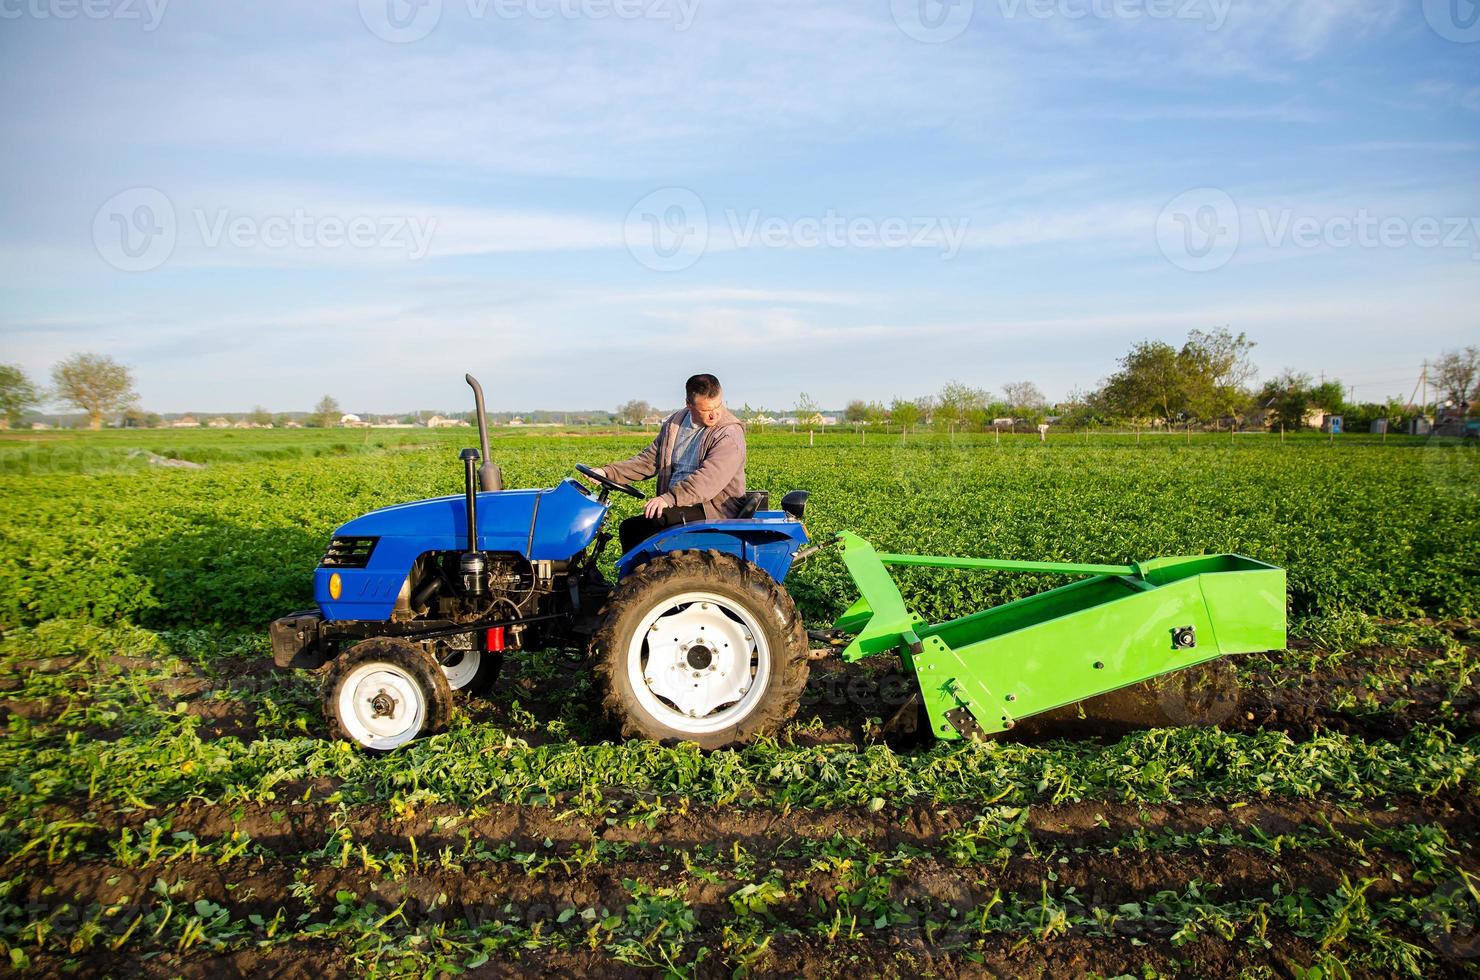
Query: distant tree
point(926, 406)
point(904, 412)
point(326, 413)
point(1457, 373)
point(945, 416)
point(17, 393)
point(1329, 396)
point(958, 402)
point(136, 418)
point(1286, 398)
point(95, 384)
point(1291, 395)
point(1148, 383)
point(259, 416)
point(874, 413)
point(806, 410)
point(1024, 398)
point(634, 412)
point(857, 411)
point(1206, 378)
point(1216, 370)
point(1083, 408)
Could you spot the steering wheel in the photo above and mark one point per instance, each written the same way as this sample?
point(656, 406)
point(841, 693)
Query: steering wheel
point(626, 488)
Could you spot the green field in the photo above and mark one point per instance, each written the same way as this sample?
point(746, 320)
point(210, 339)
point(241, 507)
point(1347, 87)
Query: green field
point(171, 804)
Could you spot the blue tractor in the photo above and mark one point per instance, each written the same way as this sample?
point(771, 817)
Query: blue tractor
point(697, 640)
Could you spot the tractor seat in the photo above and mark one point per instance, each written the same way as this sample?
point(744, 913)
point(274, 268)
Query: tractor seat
point(753, 501)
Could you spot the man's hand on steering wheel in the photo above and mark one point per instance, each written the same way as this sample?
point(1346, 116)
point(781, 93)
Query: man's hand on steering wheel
point(599, 477)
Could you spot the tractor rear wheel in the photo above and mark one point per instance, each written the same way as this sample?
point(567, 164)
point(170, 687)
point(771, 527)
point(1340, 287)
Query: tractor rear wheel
point(700, 646)
point(382, 693)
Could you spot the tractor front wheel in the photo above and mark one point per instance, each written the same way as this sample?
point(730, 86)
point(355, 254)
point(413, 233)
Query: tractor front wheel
point(382, 693)
point(700, 646)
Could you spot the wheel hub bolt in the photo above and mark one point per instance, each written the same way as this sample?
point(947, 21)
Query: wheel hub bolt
point(383, 705)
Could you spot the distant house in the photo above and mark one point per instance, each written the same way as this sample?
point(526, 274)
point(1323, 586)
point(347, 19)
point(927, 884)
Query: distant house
point(653, 419)
point(442, 422)
point(185, 422)
point(219, 422)
point(352, 421)
point(292, 424)
point(1002, 423)
point(826, 419)
point(40, 425)
point(762, 420)
point(516, 420)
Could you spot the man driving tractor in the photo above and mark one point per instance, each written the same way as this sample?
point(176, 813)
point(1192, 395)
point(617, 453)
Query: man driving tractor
point(698, 457)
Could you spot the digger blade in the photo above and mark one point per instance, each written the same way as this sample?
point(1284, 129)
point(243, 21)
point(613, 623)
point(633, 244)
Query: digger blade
point(1205, 695)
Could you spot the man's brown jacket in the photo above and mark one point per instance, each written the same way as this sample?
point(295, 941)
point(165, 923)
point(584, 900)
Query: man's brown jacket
point(718, 484)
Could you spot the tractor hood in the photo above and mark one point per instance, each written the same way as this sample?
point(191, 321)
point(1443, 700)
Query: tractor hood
point(551, 524)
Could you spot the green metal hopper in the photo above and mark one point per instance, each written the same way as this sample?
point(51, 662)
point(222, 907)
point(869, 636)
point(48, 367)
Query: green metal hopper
point(1117, 626)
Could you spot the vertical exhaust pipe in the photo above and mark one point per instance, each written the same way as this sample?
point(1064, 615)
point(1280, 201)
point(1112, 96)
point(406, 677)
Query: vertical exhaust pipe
point(472, 566)
point(490, 477)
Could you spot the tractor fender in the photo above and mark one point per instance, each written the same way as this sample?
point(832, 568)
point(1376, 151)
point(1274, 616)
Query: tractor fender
point(770, 541)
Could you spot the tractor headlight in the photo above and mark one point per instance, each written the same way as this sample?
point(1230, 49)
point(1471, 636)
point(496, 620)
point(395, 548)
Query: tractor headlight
point(336, 586)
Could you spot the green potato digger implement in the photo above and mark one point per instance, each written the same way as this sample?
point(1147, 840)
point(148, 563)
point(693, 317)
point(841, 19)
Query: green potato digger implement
point(1115, 627)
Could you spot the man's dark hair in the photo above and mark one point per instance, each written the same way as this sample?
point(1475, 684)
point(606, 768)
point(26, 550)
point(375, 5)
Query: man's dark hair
point(701, 386)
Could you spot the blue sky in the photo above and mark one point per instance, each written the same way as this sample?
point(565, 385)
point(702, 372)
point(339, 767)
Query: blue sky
point(584, 201)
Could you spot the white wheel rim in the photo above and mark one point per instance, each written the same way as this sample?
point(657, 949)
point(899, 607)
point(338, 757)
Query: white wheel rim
point(461, 674)
point(381, 705)
point(698, 662)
